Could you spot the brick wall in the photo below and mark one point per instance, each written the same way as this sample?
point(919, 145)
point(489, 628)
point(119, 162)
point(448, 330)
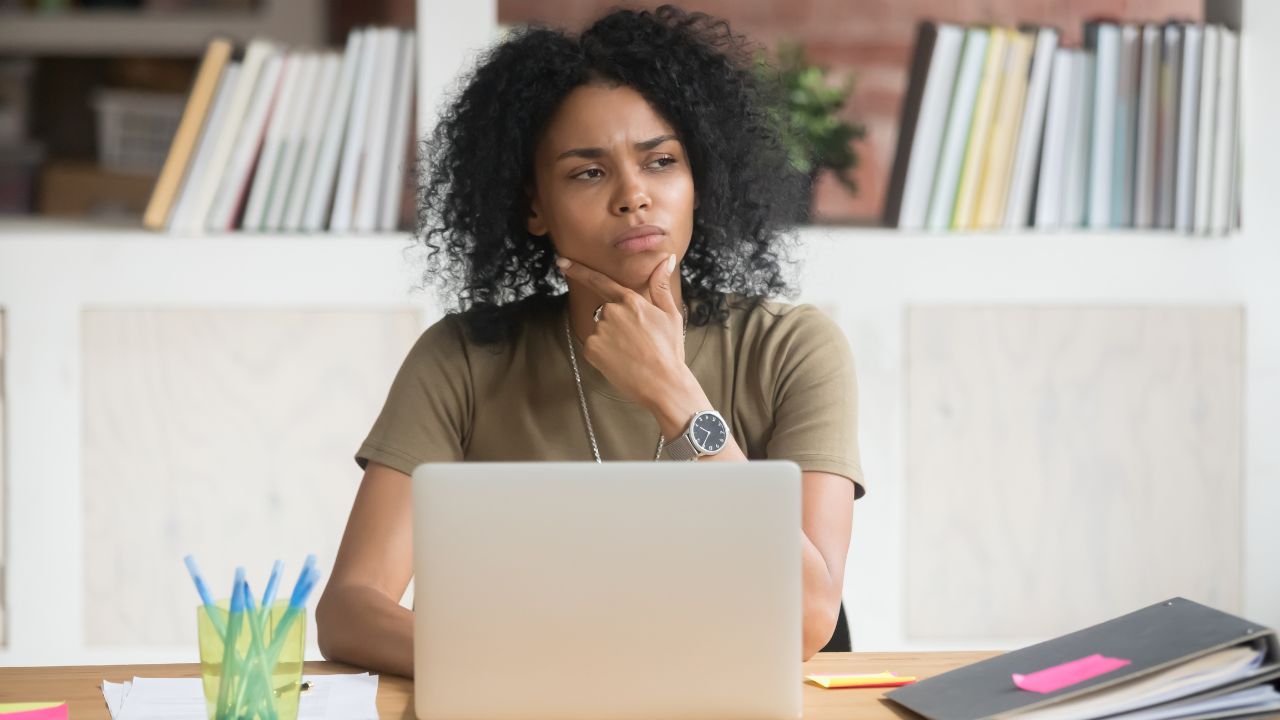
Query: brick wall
point(872, 39)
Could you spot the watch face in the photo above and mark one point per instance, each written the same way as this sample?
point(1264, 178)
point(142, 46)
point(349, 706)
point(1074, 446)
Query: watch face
point(709, 433)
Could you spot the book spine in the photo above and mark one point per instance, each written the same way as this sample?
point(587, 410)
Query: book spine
point(1079, 149)
point(1005, 127)
point(318, 115)
point(917, 83)
point(1051, 188)
point(1209, 86)
point(322, 185)
point(229, 201)
point(180, 219)
point(395, 165)
point(1101, 171)
point(1126, 127)
point(266, 170)
point(955, 138)
point(194, 117)
point(965, 214)
point(1145, 165)
point(923, 157)
point(1031, 135)
point(291, 143)
point(342, 216)
point(1225, 136)
point(1188, 128)
point(1167, 144)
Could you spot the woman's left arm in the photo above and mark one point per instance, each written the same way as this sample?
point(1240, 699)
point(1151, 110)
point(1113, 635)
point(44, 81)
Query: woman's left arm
point(826, 518)
point(638, 347)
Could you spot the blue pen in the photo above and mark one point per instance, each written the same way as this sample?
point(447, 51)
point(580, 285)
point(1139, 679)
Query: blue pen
point(205, 597)
point(297, 603)
point(252, 681)
point(229, 655)
point(269, 595)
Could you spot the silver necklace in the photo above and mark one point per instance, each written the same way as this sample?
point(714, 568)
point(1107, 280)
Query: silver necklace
point(582, 397)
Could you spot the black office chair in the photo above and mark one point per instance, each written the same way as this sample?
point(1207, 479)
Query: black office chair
point(840, 640)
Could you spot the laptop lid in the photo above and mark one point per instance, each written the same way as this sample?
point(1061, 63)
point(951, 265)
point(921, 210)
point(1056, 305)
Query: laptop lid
point(622, 590)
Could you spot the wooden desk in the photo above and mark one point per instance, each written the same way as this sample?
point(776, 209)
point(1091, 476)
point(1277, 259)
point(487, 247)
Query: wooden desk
point(81, 686)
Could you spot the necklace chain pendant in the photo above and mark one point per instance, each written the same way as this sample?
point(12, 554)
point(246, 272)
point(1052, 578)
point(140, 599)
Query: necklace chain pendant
point(582, 397)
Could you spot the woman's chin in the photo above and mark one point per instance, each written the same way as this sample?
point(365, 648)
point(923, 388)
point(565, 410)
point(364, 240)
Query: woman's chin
point(635, 269)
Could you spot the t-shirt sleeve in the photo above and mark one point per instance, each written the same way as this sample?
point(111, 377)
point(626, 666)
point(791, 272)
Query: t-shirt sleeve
point(427, 414)
point(815, 396)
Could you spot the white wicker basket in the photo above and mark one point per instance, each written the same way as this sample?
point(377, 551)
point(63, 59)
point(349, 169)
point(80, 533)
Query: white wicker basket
point(135, 129)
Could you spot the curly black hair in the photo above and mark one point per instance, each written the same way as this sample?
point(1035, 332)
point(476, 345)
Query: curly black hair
point(697, 74)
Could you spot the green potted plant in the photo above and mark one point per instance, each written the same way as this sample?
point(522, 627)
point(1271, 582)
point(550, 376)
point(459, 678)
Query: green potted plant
point(817, 137)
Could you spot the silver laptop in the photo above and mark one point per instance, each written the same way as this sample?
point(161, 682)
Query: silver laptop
point(622, 590)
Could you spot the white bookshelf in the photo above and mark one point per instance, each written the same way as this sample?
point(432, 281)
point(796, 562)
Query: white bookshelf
point(50, 271)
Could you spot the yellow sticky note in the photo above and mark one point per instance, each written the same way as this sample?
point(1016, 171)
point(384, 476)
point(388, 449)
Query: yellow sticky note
point(871, 680)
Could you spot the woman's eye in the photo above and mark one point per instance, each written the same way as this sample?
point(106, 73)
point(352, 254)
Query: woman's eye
point(666, 161)
point(586, 173)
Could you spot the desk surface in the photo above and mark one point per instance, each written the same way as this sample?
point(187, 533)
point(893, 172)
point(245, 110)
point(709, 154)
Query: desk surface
point(81, 686)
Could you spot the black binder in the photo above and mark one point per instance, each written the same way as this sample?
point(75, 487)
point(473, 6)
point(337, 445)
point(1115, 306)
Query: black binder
point(1154, 638)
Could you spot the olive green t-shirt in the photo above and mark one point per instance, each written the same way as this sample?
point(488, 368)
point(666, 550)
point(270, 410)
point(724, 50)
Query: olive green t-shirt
point(781, 375)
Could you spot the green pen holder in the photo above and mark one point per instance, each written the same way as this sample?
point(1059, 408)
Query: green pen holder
point(248, 683)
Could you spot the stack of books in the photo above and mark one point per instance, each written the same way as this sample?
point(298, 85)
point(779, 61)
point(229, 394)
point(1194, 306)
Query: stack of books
point(1005, 128)
point(275, 139)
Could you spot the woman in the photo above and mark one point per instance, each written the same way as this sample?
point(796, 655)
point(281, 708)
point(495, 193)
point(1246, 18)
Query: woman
point(639, 164)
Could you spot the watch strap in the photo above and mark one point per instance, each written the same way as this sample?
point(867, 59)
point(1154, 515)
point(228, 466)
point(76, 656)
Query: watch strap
point(681, 449)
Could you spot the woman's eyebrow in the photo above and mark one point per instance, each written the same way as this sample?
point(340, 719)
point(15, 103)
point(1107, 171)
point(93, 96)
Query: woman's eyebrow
point(595, 152)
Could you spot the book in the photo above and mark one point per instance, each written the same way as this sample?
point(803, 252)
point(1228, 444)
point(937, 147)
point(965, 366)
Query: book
point(956, 135)
point(291, 141)
point(1051, 186)
point(1031, 133)
point(1167, 124)
point(964, 215)
point(207, 184)
point(265, 172)
point(320, 195)
point(374, 154)
point(1205, 137)
point(180, 218)
point(194, 116)
point(924, 115)
point(1079, 146)
point(1188, 128)
point(316, 119)
point(395, 165)
point(1145, 165)
point(1224, 152)
point(1122, 160)
point(1175, 658)
point(233, 186)
point(1104, 40)
point(993, 185)
point(342, 215)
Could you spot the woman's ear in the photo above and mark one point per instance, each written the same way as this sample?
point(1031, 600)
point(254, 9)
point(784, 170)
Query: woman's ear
point(534, 223)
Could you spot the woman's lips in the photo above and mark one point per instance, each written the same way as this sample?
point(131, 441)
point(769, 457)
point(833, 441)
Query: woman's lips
point(642, 243)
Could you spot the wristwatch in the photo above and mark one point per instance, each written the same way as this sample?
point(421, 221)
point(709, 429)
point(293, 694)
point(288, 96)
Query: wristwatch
point(707, 434)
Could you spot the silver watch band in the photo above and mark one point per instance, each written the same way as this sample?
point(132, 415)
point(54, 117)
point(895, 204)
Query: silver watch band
point(681, 449)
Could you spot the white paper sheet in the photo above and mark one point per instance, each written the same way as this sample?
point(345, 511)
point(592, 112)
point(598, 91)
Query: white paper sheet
point(331, 697)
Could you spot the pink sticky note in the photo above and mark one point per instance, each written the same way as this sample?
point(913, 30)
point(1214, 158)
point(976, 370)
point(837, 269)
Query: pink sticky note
point(33, 711)
point(1068, 674)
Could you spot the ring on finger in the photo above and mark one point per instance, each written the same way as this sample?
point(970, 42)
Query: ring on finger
point(596, 315)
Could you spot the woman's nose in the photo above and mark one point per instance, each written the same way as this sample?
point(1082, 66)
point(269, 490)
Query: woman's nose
point(631, 197)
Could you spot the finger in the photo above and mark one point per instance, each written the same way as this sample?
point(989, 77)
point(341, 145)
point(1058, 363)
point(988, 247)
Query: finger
point(660, 285)
point(604, 285)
